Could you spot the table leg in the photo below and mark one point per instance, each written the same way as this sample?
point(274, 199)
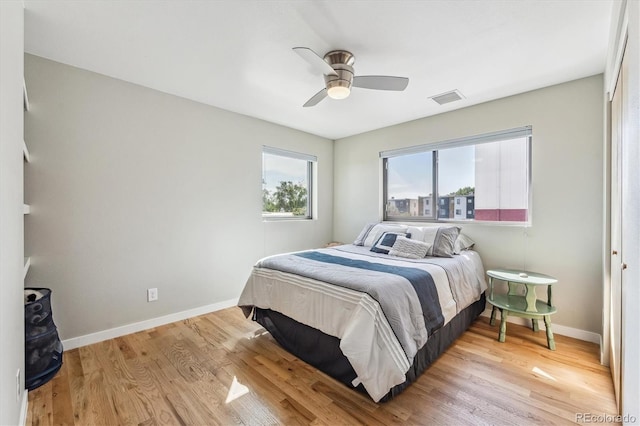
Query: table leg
point(492, 321)
point(550, 341)
point(534, 324)
point(530, 297)
point(503, 325)
point(490, 288)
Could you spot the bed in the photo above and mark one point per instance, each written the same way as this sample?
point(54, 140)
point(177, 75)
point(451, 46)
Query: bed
point(369, 315)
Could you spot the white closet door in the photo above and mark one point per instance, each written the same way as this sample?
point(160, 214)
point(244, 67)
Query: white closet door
point(615, 309)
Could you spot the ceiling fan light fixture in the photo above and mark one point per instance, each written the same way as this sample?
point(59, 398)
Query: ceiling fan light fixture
point(337, 68)
point(338, 92)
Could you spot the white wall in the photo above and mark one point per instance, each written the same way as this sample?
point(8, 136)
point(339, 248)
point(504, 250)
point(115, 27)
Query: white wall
point(11, 218)
point(565, 238)
point(132, 188)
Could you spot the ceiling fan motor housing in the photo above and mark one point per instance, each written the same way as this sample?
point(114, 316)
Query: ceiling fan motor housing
point(342, 62)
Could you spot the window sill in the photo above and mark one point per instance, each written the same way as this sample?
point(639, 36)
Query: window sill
point(285, 219)
point(457, 222)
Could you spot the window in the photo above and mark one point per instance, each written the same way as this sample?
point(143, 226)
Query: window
point(286, 184)
point(490, 174)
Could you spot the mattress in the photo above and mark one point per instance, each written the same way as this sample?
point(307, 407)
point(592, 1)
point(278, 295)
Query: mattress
point(381, 309)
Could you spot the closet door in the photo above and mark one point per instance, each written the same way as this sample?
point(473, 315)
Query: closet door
point(615, 309)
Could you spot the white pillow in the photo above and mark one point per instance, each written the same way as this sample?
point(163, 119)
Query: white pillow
point(409, 248)
point(417, 232)
point(363, 234)
point(372, 231)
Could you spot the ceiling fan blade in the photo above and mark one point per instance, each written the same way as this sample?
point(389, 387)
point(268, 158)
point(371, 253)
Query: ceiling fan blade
point(380, 82)
point(316, 98)
point(319, 65)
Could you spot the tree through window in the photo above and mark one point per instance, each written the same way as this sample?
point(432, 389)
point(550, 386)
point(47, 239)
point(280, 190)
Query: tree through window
point(286, 184)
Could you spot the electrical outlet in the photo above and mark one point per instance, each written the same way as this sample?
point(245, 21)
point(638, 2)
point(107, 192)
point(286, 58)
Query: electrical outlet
point(18, 385)
point(152, 294)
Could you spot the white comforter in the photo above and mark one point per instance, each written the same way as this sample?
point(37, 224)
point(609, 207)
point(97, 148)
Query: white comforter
point(379, 344)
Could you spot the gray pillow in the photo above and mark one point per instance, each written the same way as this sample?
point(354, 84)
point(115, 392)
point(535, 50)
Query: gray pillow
point(444, 242)
point(463, 243)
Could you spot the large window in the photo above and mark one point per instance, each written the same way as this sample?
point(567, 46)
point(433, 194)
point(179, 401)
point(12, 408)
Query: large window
point(481, 178)
point(286, 184)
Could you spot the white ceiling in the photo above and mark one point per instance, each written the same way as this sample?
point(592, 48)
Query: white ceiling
point(236, 54)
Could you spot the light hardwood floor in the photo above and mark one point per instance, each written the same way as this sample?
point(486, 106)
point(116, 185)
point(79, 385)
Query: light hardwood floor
point(221, 368)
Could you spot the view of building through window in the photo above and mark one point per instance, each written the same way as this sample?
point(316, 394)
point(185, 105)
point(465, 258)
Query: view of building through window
point(486, 181)
point(410, 185)
point(286, 179)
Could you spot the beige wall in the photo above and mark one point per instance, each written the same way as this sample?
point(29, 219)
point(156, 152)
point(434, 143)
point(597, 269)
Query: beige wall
point(565, 238)
point(11, 217)
point(132, 189)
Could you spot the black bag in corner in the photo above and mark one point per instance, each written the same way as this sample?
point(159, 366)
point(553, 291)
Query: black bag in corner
point(43, 348)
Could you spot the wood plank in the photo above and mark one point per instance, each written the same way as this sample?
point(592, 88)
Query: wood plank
point(151, 397)
point(79, 396)
point(41, 406)
point(61, 399)
point(183, 373)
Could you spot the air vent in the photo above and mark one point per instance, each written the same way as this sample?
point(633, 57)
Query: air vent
point(445, 98)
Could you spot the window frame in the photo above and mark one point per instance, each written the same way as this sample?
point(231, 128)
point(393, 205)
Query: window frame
point(312, 161)
point(515, 133)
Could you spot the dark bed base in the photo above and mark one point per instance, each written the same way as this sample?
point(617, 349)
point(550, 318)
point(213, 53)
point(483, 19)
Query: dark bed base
point(323, 351)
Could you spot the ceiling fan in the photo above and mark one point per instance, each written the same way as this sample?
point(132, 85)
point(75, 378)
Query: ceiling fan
point(337, 68)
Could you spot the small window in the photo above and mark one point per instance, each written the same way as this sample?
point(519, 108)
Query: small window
point(492, 172)
point(286, 184)
point(409, 200)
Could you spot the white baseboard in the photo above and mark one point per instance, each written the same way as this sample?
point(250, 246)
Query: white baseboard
point(576, 333)
point(100, 336)
point(23, 408)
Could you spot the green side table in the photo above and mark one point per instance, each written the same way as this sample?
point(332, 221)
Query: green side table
point(524, 305)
